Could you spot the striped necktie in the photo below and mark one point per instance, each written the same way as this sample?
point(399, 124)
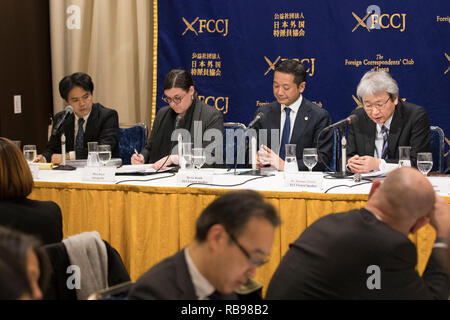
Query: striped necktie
point(384, 132)
point(80, 137)
point(286, 133)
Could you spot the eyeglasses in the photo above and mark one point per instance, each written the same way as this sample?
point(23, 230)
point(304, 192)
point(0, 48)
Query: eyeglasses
point(253, 261)
point(378, 106)
point(175, 99)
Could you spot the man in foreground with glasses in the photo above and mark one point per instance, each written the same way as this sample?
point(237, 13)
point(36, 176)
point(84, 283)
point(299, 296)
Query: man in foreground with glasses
point(366, 253)
point(234, 236)
point(89, 121)
point(383, 124)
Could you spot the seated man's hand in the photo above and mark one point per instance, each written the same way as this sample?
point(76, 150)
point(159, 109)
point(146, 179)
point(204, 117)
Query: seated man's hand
point(440, 217)
point(267, 157)
point(164, 162)
point(363, 164)
point(137, 159)
point(40, 158)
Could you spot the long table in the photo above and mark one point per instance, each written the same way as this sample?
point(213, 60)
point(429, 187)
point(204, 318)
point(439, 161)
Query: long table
point(147, 221)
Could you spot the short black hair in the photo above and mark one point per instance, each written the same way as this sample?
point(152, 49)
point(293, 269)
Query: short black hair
point(233, 210)
point(78, 79)
point(178, 78)
point(293, 67)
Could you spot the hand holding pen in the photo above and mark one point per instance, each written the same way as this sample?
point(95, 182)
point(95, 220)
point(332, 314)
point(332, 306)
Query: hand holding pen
point(137, 158)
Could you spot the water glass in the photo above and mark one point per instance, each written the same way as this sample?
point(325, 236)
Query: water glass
point(424, 162)
point(187, 155)
point(104, 153)
point(30, 153)
point(92, 146)
point(403, 156)
point(310, 157)
point(290, 161)
point(198, 157)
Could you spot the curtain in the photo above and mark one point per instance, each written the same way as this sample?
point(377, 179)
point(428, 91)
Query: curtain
point(112, 41)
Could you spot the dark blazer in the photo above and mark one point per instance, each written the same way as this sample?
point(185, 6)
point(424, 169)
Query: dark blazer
point(409, 127)
point(309, 122)
point(102, 126)
point(42, 219)
point(210, 117)
point(331, 260)
point(168, 280)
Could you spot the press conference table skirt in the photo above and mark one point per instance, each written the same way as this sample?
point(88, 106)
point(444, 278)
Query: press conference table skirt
point(147, 224)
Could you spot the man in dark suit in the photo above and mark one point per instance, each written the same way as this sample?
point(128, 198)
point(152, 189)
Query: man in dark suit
point(298, 121)
point(88, 123)
point(383, 124)
point(366, 253)
point(234, 236)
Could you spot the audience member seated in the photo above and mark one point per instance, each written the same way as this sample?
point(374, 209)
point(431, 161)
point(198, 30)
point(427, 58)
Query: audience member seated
point(234, 236)
point(366, 253)
point(383, 124)
point(184, 108)
point(41, 219)
point(89, 121)
point(24, 266)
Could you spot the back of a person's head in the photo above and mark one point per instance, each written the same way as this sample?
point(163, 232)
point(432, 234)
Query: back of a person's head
point(16, 180)
point(13, 277)
point(233, 210)
point(15, 248)
point(405, 194)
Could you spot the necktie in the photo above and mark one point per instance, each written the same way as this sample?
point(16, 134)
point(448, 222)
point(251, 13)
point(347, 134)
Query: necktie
point(80, 137)
point(285, 134)
point(216, 295)
point(384, 132)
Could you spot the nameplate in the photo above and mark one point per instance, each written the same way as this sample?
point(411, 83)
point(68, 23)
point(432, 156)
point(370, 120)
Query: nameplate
point(99, 174)
point(34, 168)
point(440, 185)
point(308, 181)
point(194, 176)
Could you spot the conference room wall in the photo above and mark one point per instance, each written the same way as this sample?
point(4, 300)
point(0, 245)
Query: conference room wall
point(25, 70)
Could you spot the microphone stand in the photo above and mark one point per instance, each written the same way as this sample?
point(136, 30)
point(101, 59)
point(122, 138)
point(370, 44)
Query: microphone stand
point(63, 166)
point(343, 173)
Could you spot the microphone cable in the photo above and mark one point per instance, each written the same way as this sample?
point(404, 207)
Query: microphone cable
point(318, 153)
point(225, 185)
point(147, 180)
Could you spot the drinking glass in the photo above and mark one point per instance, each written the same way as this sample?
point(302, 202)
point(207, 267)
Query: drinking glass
point(92, 146)
point(424, 162)
point(290, 162)
point(104, 153)
point(403, 157)
point(310, 157)
point(198, 157)
point(187, 154)
point(29, 152)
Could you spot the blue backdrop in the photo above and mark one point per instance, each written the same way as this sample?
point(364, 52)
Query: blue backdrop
point(230, 48)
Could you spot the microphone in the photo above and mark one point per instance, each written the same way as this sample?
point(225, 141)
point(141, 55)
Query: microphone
point(56, 128)
point(258, 117)
point(178, 120)
point(351, 119)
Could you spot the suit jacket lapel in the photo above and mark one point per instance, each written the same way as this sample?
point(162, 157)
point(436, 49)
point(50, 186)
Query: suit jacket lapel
point(91, 125)
point(395, 130)
point(69, 129)
point(301, 121)
point(273, 118)
point(370, 137)
point(184, 281)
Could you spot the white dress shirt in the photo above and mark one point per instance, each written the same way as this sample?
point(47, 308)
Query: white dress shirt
point(203, 288)
point(294, 111)
point(76, 126)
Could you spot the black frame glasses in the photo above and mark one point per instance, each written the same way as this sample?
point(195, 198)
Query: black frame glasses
point(376, 106)
point(176, 100)
point(253, 261)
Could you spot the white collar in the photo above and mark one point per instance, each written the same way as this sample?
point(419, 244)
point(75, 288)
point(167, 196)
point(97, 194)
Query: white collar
point(387, 123)
point(203, 288)
point(295, 106)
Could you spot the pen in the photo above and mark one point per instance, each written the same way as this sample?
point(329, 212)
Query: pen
point(135, 151)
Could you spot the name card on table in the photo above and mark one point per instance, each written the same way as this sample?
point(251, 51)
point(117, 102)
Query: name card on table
point(194, 176)
point(99, 174)
point(34, 168)
point(440, 185)
point(308, 181)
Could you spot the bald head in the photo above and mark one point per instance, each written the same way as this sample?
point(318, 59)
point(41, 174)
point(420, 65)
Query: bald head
point(405, 196)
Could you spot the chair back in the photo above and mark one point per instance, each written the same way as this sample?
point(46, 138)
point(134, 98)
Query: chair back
point(234, 144)
point(130, 139)
point(437, 146)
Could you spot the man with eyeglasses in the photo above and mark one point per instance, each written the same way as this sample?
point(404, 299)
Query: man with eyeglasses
point(383, 124)
point(89, 121)
point(234, 236)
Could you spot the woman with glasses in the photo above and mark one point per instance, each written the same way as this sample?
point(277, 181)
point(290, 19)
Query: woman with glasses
point(183, 110)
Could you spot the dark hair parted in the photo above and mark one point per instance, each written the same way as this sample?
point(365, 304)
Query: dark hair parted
point(78, 79)
point(294, 67)
point(14, 248)
point(16, 180)
point(178, 78)
point(233, 210)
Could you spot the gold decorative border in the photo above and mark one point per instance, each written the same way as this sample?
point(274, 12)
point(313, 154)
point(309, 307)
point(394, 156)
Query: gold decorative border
point(155, 59)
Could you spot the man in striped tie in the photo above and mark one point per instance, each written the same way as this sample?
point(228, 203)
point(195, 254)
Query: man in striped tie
point(383, 124)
